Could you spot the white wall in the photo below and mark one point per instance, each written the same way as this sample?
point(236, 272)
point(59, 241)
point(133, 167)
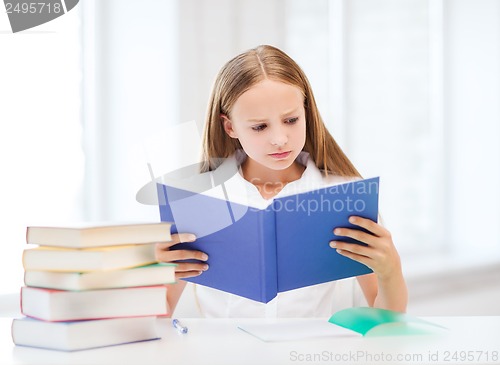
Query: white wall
point(131, 85)
point(472, 84)
point(213, 31)
point(387, 109)
point(40, 148)
point(153, 72)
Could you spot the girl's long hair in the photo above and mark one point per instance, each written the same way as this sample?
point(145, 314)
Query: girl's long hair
point(240, 74)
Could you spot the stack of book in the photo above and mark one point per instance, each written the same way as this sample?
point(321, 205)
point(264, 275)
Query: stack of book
point(91, 286)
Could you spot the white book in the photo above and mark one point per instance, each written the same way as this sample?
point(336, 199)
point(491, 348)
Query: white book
point(60, 305)
point(82, 335)
point(88, 234)
point(156, 274)
point(88, 259)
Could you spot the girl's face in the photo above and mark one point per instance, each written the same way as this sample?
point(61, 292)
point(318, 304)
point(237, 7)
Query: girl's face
point(269, 122)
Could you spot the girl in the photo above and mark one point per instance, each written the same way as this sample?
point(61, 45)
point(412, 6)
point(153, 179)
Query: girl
point(262, 113)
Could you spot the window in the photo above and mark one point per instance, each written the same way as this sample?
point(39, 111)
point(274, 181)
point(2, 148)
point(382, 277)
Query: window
point(41, 140)
point(375, 98)
point(408, 89)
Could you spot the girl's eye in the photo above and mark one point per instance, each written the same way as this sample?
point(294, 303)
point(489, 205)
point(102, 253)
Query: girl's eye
point(259, 128)
point(292, 120)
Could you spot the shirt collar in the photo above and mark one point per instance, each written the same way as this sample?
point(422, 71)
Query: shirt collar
point(311, 178)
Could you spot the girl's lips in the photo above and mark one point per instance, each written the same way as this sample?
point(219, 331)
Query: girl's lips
point(280, 155)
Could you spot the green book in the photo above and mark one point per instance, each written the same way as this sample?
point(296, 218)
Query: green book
point(382, 322)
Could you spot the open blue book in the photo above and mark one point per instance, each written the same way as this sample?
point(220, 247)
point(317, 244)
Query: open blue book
point(257, 253)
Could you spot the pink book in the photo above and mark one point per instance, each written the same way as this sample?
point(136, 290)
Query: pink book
point(60, 305)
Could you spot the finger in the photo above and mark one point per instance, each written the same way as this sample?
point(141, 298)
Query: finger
point(176, 239)
point(369, 225)
point(356, 234)
point(162, 246)
point(187, 274)
point(183, 237)
point(352, 248)
point(175, 255)
point(190, 266)
point(365, 260)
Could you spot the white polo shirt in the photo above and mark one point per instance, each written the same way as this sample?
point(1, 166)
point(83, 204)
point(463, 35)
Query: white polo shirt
point(320, 300)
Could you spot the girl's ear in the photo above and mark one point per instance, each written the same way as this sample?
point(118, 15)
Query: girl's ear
point(228, 126)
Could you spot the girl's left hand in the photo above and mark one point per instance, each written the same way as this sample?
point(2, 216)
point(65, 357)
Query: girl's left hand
point(380, 254)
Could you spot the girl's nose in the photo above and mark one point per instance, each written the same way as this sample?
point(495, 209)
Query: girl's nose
point(279, 138)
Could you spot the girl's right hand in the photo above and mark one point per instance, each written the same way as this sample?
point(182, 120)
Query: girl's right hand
point(184, 269)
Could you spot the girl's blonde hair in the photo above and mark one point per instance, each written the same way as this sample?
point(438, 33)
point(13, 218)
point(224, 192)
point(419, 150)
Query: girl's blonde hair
point(240, 74)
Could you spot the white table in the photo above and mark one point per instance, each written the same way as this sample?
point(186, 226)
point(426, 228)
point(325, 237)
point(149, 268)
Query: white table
point(219, 341)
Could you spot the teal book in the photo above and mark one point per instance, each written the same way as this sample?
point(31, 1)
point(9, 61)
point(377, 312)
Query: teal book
point(258, 253)
point(383, 322)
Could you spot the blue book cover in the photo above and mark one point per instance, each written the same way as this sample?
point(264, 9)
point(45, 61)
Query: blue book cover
point(257, 253)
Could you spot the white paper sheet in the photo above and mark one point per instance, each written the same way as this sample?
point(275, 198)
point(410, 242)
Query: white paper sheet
point(296, 329)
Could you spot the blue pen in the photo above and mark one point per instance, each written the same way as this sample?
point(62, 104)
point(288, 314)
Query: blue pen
point(178, 325)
